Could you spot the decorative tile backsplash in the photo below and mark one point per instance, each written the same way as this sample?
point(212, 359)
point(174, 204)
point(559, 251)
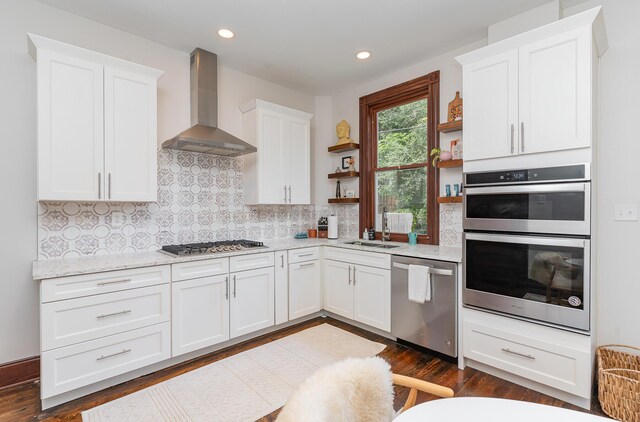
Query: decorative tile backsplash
point(199, 199)
point(451, 225)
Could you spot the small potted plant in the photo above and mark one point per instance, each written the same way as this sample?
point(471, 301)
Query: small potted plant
point(440, 155)
point(435, 153)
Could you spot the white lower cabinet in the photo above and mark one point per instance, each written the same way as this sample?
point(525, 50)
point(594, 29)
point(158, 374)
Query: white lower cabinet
point(282, 287)
point(66, 322)
point(372, 296)
point(549, 356)
point(305, 289)
point(67, 368)
point(358, 292)
point(252, 295)
point(338, 292)
point(200, 313)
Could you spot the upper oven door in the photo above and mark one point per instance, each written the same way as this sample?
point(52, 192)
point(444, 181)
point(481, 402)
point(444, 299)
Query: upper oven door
point(554, 208)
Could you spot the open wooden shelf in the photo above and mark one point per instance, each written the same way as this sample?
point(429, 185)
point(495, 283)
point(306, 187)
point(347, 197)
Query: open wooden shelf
point(450, 126)
point(344, 175)
point(448, 164)
point(344, 200)
point(449, 199)
point(344, 147)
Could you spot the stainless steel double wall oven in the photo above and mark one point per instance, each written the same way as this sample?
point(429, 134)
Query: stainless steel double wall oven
point(527, 244)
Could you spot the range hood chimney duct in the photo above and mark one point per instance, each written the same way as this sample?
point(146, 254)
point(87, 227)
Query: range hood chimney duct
point(204, 135)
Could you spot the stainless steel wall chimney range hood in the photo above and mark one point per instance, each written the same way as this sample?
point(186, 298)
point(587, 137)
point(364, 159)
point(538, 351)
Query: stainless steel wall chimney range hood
point(204, 135)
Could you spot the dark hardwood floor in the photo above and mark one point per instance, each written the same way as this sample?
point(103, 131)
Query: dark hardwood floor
point(22, 403)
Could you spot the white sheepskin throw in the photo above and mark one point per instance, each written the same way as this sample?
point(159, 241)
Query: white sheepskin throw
point(353, 390)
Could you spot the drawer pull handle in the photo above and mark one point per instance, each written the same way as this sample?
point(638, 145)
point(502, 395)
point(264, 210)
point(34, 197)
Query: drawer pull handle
point(305, 254)
point(307, 264)
point(518, 354)
point(113, 354)
point(113, 314)
point(107, 283)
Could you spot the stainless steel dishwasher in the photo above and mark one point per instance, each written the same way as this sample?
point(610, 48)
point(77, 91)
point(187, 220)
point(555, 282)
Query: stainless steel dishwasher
point(432, 324)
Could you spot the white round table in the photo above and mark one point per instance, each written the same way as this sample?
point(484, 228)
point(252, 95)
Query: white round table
point(477, 409)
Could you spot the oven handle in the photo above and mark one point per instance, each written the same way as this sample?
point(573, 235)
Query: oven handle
point(542, 188)
point(528, 240)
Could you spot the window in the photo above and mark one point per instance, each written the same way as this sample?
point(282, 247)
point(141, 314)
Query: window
point(397, 131)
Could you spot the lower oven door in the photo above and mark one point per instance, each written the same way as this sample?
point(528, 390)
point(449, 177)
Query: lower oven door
point(541, 278)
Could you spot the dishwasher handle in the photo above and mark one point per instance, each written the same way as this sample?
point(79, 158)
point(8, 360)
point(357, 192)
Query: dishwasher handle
point(433, 271)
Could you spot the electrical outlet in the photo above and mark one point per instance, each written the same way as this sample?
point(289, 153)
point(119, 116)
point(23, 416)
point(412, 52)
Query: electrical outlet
point(626, 212)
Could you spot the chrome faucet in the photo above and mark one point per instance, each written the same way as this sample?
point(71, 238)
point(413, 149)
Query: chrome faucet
point(386, 233)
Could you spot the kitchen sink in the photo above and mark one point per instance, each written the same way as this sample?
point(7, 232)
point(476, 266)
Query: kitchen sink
point(370, 244)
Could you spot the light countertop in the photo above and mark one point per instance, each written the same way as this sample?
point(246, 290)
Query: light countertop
point(93, 264)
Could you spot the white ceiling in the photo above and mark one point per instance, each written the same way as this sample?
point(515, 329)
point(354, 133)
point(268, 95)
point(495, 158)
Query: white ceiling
point(307, 45)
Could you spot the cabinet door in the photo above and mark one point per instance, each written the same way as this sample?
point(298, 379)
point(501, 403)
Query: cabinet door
point(70, 128)
point(282, 287)
point(305, 289)
point(252, 301)
point(555, 93)
point(200, 309)
point(130, 131)
point(338, 291)
point(272, 159)
point(491, 107)
point(372, 297)
point(298, 161)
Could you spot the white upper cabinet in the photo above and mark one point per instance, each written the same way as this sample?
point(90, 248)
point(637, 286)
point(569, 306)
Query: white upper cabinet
point(298, 161)
point(555, 93)
point(130, 133)
point(280, 171)
point(70, 127)
point(96, 123)
point(491, 107)
point(534, 92)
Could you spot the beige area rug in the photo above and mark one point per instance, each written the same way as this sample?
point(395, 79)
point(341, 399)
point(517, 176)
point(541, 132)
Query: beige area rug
point(243, 387)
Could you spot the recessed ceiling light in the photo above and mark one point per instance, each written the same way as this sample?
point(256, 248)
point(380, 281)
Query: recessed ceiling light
point(363, 55)
point(225, 33)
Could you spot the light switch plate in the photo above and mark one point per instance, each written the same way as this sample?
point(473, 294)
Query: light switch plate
point(626, 212)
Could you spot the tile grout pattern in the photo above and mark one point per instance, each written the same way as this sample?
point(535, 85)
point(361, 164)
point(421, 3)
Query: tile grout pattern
point(200, 198)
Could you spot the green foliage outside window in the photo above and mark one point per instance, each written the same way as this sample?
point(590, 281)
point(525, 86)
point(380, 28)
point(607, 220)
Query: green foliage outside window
point(402, 140)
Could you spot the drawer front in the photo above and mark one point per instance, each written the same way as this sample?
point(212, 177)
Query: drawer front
point(199, 269)
point(371, 259)
point(551, 364)
point(251, 262)
point(105, 282)
point(72, 367)
point(67, 322)
point(305, 254)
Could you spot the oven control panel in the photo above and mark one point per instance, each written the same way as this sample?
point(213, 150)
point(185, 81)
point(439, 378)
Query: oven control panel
point(539, 175)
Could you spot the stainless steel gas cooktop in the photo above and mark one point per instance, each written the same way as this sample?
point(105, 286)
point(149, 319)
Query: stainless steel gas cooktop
point(211, 247)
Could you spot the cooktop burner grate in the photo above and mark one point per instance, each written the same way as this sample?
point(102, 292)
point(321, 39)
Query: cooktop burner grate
point(212, 247)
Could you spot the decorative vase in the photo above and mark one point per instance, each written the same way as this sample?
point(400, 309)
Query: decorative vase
point(446, 156)
point(413, 238)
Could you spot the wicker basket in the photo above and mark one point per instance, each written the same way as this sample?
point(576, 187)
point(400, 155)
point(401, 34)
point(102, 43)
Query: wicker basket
point(619, 381)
